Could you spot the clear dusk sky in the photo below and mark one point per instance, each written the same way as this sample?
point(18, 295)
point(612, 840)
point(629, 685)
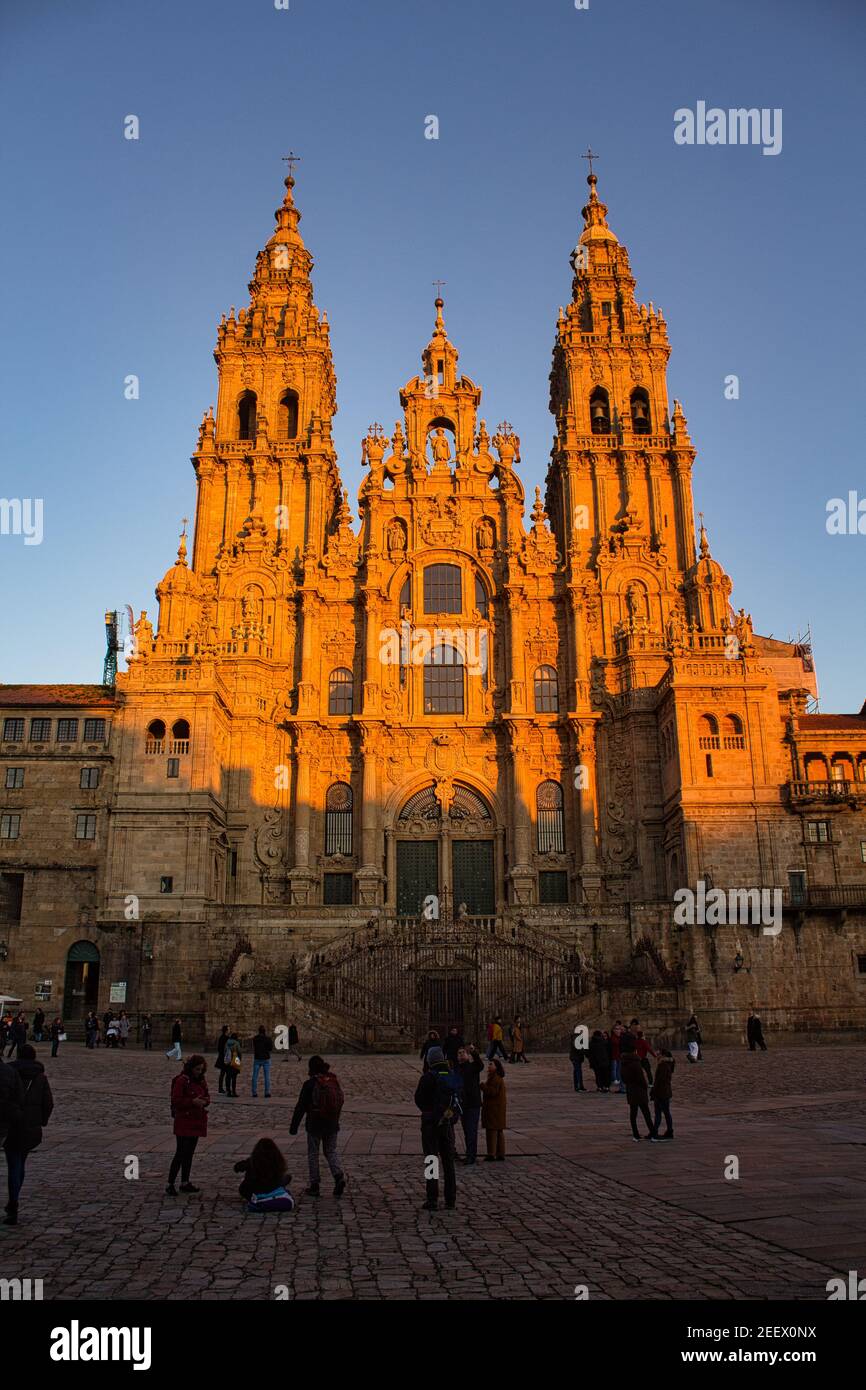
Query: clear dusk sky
point(119, 257)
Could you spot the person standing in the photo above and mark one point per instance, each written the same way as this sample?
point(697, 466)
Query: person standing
point(293, 1042)
point(694, 1040)
point(518, 1042)
point(189, 1103)
point(637, 1093)
point(221, 1058)
point(106, 1020)
point(755, 1033)
point(599, 1060)
point(233, 1060)
point(56, 1034)
point(263, 1046)
point(176, 1050)
point(25, 1132)
point(453, 1043)
point(577, 1056)
point(11, 1106)
point(470, 1067)
point(38, 1024)
point(91, 1030)
point(147, 1032)
point(616, 1033)
point(17, 1034)
point(661, 1093)
point(437, 1097)
point(431, 1040)
point(493, 1111)
point(123, 1028)
point(321, 1101)
point(644, 1052)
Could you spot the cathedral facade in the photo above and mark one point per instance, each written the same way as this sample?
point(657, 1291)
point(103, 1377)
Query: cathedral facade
point(441, 761)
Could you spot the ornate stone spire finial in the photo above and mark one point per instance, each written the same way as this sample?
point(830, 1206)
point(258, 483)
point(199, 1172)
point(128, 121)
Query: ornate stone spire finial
point(181, 550)
point(705, 545)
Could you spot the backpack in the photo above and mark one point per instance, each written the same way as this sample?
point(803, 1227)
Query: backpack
point(326, 1101)
point(278, 1200)
point(449, 1103)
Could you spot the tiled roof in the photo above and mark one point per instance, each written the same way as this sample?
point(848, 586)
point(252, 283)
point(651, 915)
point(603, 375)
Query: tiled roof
point(77, 695)
point(833, 721)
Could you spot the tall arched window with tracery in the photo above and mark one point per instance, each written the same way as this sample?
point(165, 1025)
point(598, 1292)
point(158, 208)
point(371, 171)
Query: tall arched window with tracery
point(338, 819)
point(551, 819)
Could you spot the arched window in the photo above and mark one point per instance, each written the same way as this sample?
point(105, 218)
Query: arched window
point(154, 739)
point(640, 411)
point(247, 415)
point(443, 591)
point(338, 819)
point(599, 411)
point(443, 681)
point(156, 729)
point(733, 732)
point(341, 691)
point(546, 690)
point(481, 600)
point(842, 768)
point(287, 415)
point(708, 731)
point(180, 729)
point(551, 821)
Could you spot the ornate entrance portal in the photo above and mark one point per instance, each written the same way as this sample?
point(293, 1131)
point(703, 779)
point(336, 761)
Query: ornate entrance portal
point(445, 860)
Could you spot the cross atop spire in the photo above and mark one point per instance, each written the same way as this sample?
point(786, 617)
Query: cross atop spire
point(291, 159)
point(590, 156)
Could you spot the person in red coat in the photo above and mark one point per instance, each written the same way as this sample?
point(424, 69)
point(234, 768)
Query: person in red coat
point(189, 1103)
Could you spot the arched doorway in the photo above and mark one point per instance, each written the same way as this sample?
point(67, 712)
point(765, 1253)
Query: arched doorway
point(445, 850)
point(81, 985)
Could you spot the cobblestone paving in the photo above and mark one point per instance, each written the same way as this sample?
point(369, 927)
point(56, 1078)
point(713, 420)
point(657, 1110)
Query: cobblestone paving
point(575, 1203)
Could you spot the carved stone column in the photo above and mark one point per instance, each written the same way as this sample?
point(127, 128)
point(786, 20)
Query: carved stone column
point(301, 878)
point(587, 808)
point(369, 875)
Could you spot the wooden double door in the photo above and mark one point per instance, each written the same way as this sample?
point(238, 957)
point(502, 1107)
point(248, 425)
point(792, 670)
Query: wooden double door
point(472, 876)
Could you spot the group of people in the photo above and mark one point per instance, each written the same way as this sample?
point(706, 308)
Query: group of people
point(114, 1029)
point(621, 1058)
point(14, 1032)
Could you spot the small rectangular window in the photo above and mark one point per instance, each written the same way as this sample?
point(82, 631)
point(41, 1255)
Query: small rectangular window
point(819, 831)
point(13, 730)
point(797, 887)
point(10, 827)
point(85, 828)
point(89, 778)
point(709, 764)
point(40, 730)
point(233, 863)
point(337, 889)
point(11, 897)
point(552, 886)
point(166, 884)
point(67, 730)
point(94, 731)
point(173, 767)
point(863, 851)
point(14, 778)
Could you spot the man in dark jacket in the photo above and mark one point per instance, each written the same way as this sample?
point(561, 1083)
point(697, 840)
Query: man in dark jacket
point(637, 1092)
point(437, 1097)
point(321, 1100)
point(263, 1046)
point(38, 1024)
point(470, 1067)
point(662, 1091)
point(452, 1045)
point(11, 1097)
point(17, 1035)
point(577, 1057)
point(25, 1132)
point(755, 1033)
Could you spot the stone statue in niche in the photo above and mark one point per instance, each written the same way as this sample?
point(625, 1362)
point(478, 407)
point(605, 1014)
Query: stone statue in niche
point(484, 534)
point(396, 540)
point(441, 448)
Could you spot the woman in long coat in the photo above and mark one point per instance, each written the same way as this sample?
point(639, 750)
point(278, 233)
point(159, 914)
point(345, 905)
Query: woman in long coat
point(493, 1111)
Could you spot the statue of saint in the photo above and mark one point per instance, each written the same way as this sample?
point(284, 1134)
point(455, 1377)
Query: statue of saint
point(441, 448)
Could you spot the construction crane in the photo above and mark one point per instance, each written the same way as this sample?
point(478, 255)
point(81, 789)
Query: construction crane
point(113, 645)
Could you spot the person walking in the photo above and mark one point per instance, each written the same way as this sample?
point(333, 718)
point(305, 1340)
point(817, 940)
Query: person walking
point(57, 1035)
point(577, 1057)
point(599, 1060)
point(494, 1034)
point(321, 1101)
point(25, 1130)
point(147, 1032)
point(11, 1102)
point(233, 1061)
point(637, 1093)
point(694, 1041)
point(91, 1030)
point(265, 1184)
point(470, 1067)
point(518, 1042)
point(493, 1111)
point(190, 1099)
point(644, 1052)
point(294, 1041)
point(263, 1046)
point(38, 1024)
point(123, 1028)
point(661, 1093)
point(755, 1033)
point(176, 1050)
point(17, 1035)
point(220, 1062)
point(437, 1096)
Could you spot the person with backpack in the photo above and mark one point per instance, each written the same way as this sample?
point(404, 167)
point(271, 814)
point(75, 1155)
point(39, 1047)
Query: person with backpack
point(577, 1057)
point(470, 1067)
point(190, 1099)
point(438, 1097)
point(25, 1130)
point(321, 1101)
point(265, 1184)
point(493, 1111)
point(176, 1051)
point(661, 1092)
point(263, 1046)
point(233, 1059)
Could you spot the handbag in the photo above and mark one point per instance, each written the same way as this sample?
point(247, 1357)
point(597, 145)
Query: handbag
point(61, 1037)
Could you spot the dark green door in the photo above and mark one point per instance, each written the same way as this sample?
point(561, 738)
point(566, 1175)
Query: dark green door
point(417, 875)
point(473, 876)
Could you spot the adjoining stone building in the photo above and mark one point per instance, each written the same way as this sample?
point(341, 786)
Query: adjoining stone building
point(404, 775)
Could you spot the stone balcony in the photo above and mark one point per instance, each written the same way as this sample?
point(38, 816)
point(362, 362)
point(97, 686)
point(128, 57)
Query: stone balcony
point(802, 793)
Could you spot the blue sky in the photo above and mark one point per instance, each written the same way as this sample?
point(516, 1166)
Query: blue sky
point(120, 256)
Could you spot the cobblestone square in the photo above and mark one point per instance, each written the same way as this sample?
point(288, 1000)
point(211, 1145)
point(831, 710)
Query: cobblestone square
point(575, 1203)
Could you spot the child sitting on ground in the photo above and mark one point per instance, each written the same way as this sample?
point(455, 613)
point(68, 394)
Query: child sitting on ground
point(265, 1185)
